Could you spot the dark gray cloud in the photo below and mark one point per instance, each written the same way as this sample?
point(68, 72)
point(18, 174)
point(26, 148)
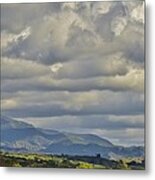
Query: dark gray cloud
point(21, 69)
point(64, 103)
point(48, 83)
point(107, 122)
point(27, 14)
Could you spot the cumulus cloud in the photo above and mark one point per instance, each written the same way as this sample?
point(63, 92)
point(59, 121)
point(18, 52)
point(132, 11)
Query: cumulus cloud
point(81, 63)
point(60, 34)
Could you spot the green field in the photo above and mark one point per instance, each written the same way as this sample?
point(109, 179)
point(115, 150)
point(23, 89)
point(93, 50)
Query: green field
point(64, 161)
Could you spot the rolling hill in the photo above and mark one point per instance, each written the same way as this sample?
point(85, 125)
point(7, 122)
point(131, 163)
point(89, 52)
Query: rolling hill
point(23, 137)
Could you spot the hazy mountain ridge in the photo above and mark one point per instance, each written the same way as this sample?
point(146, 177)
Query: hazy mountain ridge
point(22, 137)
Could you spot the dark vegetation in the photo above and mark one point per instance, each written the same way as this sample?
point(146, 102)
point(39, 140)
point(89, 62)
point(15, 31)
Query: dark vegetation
point(66, 161)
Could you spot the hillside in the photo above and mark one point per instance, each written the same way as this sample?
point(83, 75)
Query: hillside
point(18, 136)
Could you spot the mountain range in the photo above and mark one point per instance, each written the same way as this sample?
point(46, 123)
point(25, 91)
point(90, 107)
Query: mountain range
point(19, 136)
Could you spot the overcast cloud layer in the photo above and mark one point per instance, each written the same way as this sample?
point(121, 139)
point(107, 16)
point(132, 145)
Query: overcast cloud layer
point(75, 67)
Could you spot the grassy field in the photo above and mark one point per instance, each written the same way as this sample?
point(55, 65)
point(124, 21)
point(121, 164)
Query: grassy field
point(64, 161)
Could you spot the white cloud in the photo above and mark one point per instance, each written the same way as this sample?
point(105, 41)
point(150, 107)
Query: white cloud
point(118, 25)
point(134, 80)
point(7, 38)
point(56, 67)
point(69, 5)
point(101, 8)
point(23, 35)
point(138, 13)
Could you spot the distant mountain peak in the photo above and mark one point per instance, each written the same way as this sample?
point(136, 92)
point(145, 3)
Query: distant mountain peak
point(19, 136)
point(7, 123)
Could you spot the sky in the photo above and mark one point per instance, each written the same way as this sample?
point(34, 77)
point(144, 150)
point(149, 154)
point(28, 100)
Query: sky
point(75, 67)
